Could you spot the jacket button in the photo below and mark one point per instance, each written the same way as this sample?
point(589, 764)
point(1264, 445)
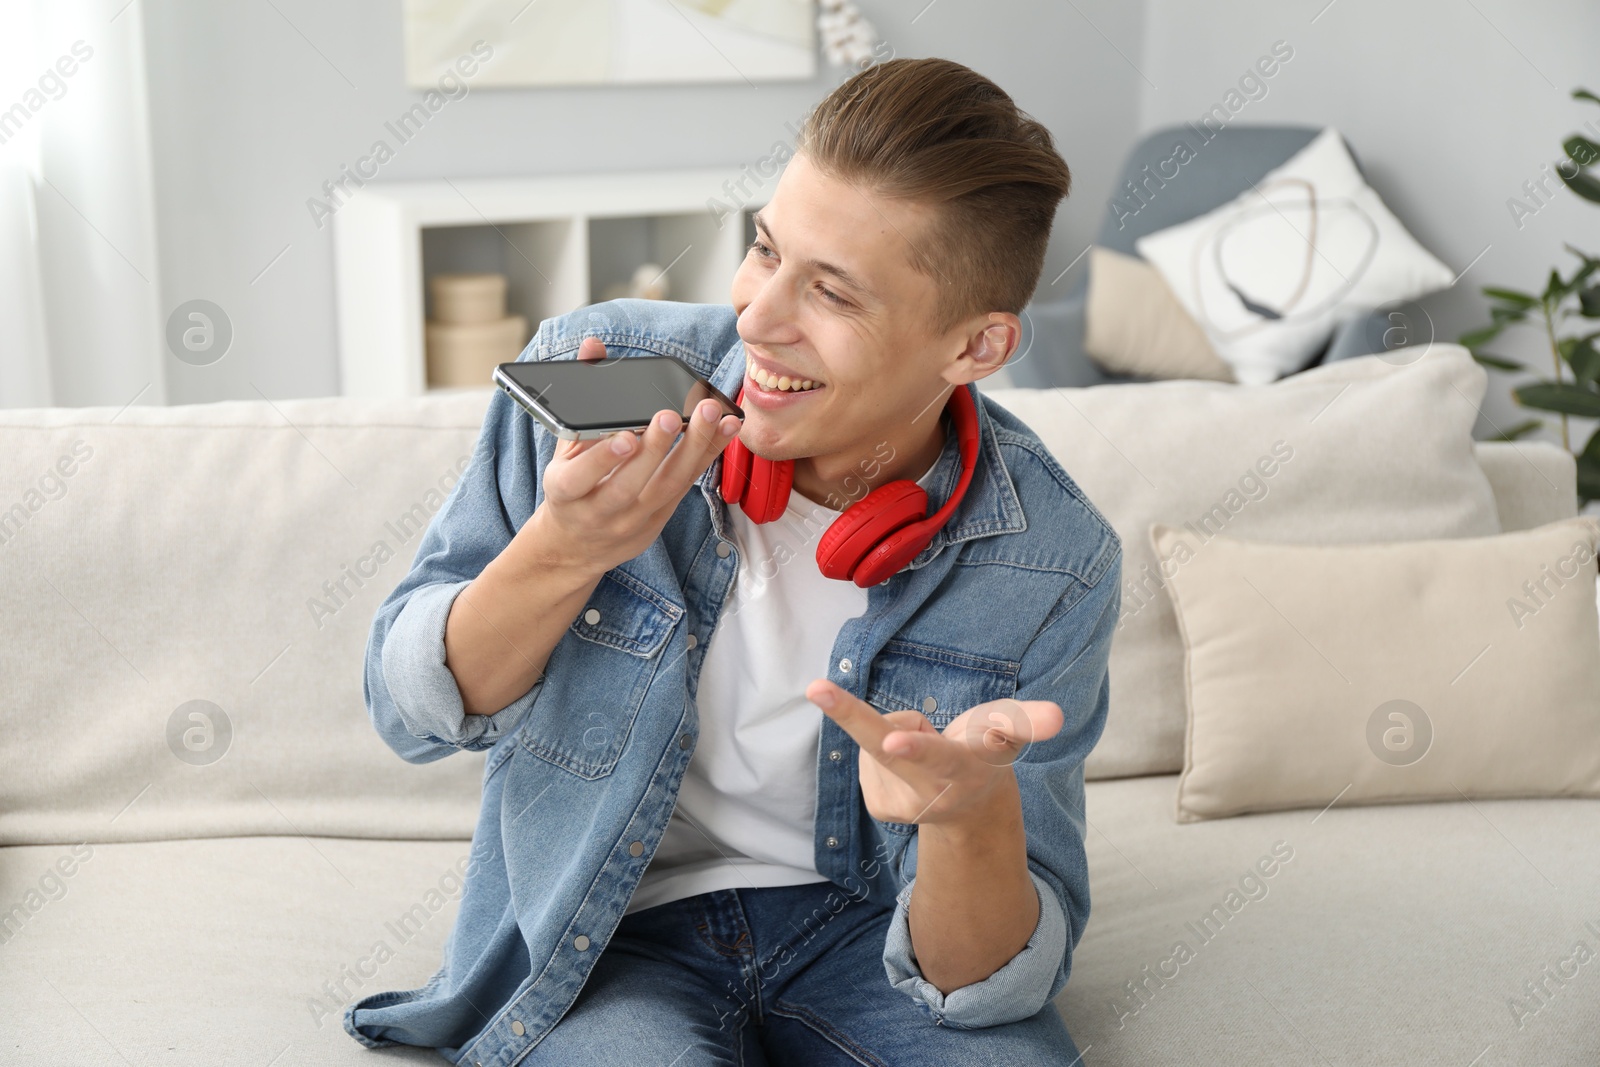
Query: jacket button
point(517, 1027)
point(723, 549)
point(636, 849)
point(591, 616)
point(928, 705)
point(685, 741)
point(581, 942)
point(836, 755)
point(844, 665)
point(693, 641)
point(832, 842)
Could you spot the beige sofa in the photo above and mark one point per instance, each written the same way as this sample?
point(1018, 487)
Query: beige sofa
point(207, 851)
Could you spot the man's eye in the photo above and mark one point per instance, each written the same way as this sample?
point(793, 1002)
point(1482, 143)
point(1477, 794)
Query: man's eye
point(762, 250)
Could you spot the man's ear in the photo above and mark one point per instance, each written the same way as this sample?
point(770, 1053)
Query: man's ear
point(993, 345)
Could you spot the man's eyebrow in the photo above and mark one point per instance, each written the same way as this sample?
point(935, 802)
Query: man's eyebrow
point(816, 264)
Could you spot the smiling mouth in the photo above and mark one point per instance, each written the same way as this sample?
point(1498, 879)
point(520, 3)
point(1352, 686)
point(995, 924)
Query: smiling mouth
point(779, 384)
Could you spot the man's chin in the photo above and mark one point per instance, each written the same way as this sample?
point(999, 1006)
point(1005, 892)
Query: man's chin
point(771, 444)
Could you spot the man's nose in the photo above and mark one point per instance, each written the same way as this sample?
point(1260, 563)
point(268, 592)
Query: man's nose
point(769, 317)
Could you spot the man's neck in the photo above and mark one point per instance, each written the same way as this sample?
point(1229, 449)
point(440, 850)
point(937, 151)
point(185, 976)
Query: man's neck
point(839, 481)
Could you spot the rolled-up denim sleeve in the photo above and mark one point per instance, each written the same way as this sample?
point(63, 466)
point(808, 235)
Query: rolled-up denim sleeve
point(1067, 663)
point(425, 694)
point(1004, 996)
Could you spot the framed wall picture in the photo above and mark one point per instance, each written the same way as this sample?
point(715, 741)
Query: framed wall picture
point(611, 42)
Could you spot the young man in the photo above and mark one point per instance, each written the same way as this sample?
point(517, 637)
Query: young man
point(681, 859)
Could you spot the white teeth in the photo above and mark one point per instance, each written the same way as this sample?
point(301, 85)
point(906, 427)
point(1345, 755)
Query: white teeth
point(777, 382)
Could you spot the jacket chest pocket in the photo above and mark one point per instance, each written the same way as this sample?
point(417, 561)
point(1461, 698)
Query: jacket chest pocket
point(939, 682)
point(598, 675)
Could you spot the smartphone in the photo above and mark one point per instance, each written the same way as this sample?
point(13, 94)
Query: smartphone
point(578, 399)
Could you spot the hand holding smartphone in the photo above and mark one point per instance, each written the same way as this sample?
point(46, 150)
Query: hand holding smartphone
point(603, 506)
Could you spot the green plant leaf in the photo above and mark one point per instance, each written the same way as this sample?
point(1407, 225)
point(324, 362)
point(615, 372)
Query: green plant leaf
point(1511, 296)
point(1589, 469)
point(1498, 362)
point(1582, 357)
point(1592, 447)
point(1589, 302)
point(1554, 288)
point(1474, 338)
point(1581, 150)
point(1584, 94)
point(1588, 481)
point(1504, 315)
point(1588, 268)
point(1520, 430)
point(1586, 257)
point(1561, 397)
point(1583, 183)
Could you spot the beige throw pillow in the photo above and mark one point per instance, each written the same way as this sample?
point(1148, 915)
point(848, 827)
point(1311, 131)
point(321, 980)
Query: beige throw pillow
point(1134, 325)
point(1360, 674)
point(1356, 451)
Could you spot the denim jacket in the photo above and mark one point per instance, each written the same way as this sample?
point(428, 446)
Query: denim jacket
point(1017, 596)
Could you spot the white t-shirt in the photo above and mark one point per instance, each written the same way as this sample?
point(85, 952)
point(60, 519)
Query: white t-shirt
point(747, 807)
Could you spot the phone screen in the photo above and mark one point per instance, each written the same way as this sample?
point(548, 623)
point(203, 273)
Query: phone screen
point(616, 393)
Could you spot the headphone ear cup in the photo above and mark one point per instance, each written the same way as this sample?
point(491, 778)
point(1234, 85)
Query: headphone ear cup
point(759, 486)
point(865, 524)
point(890, 556)
point(735, 471)
point(766, 491)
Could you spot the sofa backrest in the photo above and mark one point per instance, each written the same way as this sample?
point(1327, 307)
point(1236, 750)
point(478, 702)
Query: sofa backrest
point(187, 593)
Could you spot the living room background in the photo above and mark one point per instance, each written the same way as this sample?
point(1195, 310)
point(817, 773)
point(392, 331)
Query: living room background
point(251, 108)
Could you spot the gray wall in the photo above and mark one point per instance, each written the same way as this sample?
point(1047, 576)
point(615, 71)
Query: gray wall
point(249, 118)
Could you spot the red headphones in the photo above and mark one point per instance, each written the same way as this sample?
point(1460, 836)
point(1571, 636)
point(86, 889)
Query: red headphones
point(878, 534)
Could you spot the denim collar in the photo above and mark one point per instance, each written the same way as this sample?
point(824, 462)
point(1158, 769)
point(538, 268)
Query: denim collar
point(991, 505)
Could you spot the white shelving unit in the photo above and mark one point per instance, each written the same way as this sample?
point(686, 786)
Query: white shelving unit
point(561, 241)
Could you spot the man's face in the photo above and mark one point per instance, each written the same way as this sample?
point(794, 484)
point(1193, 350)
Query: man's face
point(867, 343)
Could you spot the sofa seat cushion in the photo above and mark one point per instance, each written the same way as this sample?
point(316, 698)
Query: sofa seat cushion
point(218, 951)
point(1397, 934)
point(1403, 933)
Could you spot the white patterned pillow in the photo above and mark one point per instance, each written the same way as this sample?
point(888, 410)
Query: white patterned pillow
point(1270, 274)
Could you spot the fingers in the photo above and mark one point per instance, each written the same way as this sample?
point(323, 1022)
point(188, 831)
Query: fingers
point(999, 731)
point(587, 467)
point(612, 473)
point(709, 431)
point(903, 741)
point(855, 716)
point(667, 465)
point(996, 732)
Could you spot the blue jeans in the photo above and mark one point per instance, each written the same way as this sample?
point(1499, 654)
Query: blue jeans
point(770, 977)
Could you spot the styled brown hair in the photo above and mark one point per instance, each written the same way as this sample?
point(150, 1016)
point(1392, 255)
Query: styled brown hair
point(934, 131)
